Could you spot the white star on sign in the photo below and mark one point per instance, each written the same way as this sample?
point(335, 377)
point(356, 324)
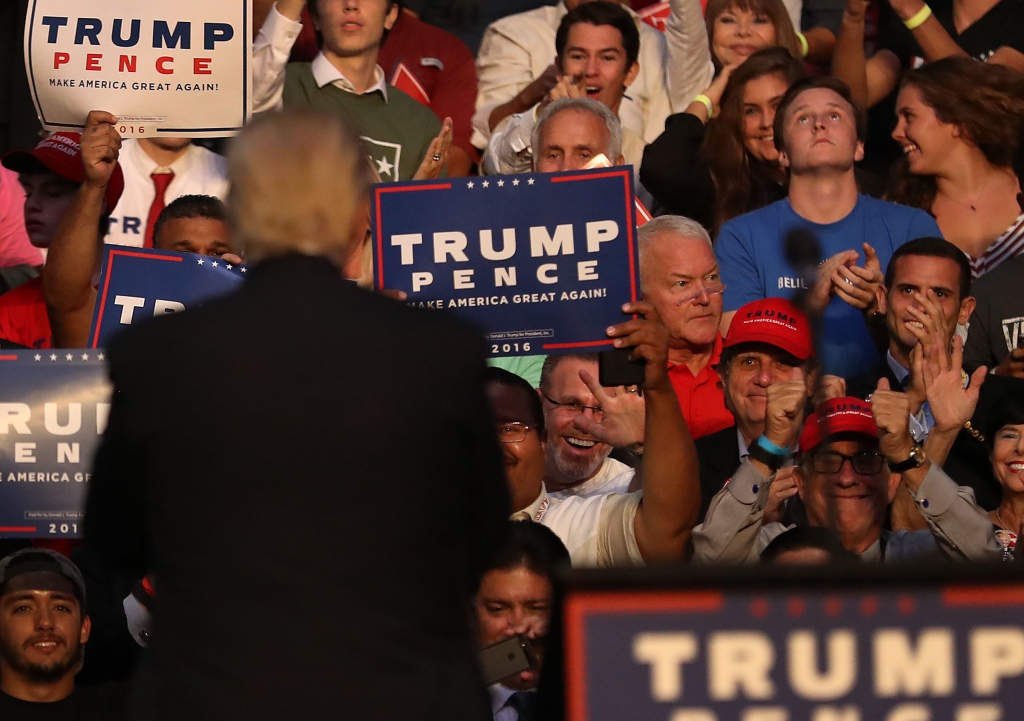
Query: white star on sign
point(384, 167)
point(38, 357)
point(501, 183)
point(53, 356)
point(485, 184)
point(200, 261)
point(214, 264)
point(99, 356)
point(69, 356)
point(244, 269)
point(228, 266)
point(515, 182)
point(530, 181)
point(85, 356)
point(469, 185)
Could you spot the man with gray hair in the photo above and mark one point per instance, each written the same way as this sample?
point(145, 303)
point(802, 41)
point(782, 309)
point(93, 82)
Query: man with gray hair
point(679, 275)
point(310, 502)
point(596, 46)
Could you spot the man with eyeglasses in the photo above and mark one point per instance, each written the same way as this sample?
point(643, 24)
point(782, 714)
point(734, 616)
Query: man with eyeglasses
point(679, 276)
point(610, 529)
point(577, 457)
point(769, 344)
point(854, 455)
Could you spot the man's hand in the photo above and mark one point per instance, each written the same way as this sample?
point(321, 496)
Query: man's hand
point(784, 412)
point(536, 91)
point(951, 404)
point(891, 410)
point(830, 387)
point(782, 489)
point(857, 285)
point(855, 10)
point(622, 420)
point(437, 154)
point(1012, 365)
point(650, 339)
point(566, 87)
point(821, 292)
point(936, 329)
point(101, 144)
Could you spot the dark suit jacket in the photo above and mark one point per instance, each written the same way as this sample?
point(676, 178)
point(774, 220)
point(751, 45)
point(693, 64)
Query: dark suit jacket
point(968, 463)
point(311, 474)
point(719, 456)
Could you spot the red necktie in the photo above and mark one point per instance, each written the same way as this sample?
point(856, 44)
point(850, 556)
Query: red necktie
point(160, 182)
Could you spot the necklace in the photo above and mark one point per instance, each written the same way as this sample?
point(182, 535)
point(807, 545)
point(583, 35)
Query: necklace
point(980, 194)
point(1002, 523)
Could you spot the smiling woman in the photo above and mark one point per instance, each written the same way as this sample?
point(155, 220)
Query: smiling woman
point(958, 122)
point(1005, 434)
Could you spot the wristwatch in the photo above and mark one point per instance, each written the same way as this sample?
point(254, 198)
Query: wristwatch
point(916, 460)
point(758, 452)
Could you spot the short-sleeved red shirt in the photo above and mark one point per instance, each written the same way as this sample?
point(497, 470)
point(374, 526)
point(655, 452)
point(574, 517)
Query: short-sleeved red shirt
point(23, 316)
point(700, 396)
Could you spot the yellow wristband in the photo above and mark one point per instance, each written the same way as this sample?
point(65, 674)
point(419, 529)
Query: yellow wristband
point(919, 18)
point(706, 102)
point(804, 47)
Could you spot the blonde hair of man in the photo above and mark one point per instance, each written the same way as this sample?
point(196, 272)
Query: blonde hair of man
point(296, 180)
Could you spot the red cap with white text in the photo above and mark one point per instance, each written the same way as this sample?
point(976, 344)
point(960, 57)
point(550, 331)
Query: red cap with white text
point(838, 415)
point(61, 153)
point(774, 321)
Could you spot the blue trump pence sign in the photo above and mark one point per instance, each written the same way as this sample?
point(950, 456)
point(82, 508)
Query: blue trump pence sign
point(53, 409)
point(542, 263)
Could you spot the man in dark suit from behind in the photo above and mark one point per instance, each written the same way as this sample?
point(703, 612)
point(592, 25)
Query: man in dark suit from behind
point(927, 292)
point(308, 471)
point(759, 350)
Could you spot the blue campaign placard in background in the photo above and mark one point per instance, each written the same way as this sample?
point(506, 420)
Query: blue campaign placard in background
point(53, 409)
point(542, 263)
point(138, 283)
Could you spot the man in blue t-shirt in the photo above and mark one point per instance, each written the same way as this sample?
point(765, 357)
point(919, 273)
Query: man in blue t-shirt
point(820, 135)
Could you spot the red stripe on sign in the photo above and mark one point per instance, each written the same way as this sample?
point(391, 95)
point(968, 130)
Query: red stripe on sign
point(106, 284)
point(17, 529)
point(570, 178)
point(579, 606)
point(380, 233)
point(975, 596)
point(585, 344)
point(8, 357)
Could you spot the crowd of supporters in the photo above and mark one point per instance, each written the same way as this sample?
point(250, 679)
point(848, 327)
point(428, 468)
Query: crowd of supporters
point(832, 323)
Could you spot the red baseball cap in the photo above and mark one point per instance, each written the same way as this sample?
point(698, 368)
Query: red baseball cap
point(838, 415)
point(61, 153)
point(774, 321)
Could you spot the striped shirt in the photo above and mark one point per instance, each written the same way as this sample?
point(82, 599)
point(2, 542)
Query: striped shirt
point(1008, 245)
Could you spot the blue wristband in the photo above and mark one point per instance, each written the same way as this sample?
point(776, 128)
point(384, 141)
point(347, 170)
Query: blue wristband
point(771, 447)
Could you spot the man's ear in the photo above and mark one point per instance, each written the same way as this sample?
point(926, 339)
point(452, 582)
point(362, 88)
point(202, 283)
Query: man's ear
point(631, 74)
point(83, 636)
point(881, 293)
point(894, 485)
point(858, 154)
point(967, 306)
point(783, 159)
point(392, 16)
point(798, 477)
point(621, 160)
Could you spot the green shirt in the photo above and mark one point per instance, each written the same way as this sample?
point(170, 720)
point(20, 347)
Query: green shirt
point(396, 132)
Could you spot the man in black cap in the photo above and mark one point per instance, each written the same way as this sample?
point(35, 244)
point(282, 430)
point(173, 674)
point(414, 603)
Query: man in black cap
point(43, 631)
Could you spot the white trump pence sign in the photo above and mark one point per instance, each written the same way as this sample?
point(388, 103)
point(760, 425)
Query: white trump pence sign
point(177, 68)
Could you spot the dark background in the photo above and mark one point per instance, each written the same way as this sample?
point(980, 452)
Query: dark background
point(19, 127)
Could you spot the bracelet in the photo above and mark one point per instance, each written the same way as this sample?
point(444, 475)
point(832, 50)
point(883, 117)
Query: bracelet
point(706, 102)
point(771, 447)
point(804, 46)
point(919, 18)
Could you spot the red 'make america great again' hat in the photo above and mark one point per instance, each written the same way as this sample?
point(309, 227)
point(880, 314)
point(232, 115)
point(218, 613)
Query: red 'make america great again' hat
point(838, 415)
point(61, 153)
point(774, 321)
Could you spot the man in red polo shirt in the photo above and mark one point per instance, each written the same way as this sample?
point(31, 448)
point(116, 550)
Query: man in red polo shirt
point(51, 175)
point(679, 275)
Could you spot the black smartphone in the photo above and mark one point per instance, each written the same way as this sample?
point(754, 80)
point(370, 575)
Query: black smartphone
point(506, 658)
point(616, 369)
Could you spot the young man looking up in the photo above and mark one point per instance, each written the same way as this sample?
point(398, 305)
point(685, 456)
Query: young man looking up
point(819, 133)
point(397, 132)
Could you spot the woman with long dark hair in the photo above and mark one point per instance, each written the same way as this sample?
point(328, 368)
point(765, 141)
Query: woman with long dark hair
point(959, 122)
point(714, 173)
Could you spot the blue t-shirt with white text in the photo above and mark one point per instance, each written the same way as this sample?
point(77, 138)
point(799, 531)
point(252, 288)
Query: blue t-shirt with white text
point(752, 259)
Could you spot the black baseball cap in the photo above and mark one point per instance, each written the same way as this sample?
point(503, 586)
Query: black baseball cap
point(40, 569)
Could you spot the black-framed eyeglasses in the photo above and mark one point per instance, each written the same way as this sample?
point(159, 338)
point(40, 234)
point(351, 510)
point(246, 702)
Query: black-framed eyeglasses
point(575, 409)
point(513, 432)
point(866, 463)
